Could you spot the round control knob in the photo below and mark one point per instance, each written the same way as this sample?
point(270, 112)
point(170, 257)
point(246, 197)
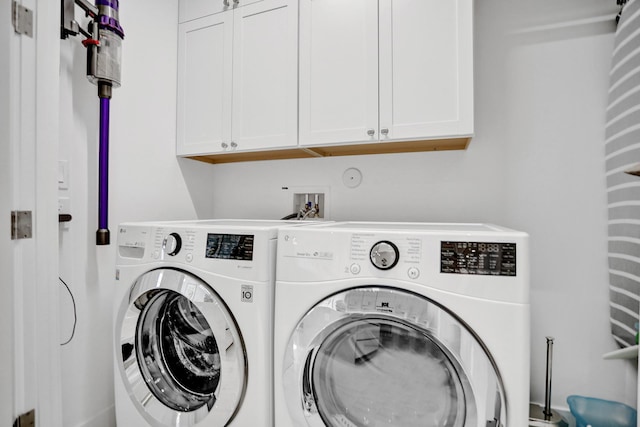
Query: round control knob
point(413, 273)
point(354, 268)
point(384, 255)
point(172, 244)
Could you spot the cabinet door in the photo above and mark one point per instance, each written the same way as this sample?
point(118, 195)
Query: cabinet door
point(265, 75)
point(426, 75)
point(194, 9)
point(204, 84)
point(338, 71)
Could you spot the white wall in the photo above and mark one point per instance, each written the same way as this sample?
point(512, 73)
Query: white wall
point(536, 164)
point(146, 183)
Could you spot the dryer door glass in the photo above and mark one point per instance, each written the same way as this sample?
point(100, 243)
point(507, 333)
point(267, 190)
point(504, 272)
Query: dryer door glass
point(381, 371)
point(183, 359)
point(382, 356)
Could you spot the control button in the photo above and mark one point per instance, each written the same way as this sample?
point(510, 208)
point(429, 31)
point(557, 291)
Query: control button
point(413, 273)
point(156, 254)
point(172, 244)
point(189, 257)
point(384, 255)
point(355, 268)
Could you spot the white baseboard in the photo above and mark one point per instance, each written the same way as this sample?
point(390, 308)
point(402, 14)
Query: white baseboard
point(106, 418)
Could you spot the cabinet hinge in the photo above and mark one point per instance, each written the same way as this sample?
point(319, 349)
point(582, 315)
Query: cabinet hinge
point(21, 225)
point(26, 420)
point(22, 19)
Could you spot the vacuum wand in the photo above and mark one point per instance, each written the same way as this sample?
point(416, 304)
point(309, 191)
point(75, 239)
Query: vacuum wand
point(103, 69)
point(103, 234)
point(103, 41)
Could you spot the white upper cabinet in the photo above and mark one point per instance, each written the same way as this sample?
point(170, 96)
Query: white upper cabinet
point(426, 68)
point(265, 75)
point(261, 79)
point(385, 70)
point(204, 84)
point(338, 71)
point(237, 78)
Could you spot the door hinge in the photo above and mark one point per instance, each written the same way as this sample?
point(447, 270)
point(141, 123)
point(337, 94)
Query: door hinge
point(22, 19)
point(21, 225)
point(26, 420)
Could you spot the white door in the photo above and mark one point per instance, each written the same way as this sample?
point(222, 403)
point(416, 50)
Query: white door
point(265, 75)
point(7, 42)
point(426, 68)
point(205, 84)
point(338, 71)
point(30, 373)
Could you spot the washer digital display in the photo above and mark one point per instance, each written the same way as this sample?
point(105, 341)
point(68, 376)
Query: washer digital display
point(230, 246)
point(483, 258)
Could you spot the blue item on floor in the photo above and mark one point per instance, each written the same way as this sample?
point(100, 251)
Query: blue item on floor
point(589, 411)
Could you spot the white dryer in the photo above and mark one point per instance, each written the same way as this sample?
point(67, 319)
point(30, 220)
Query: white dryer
point(193, 323)
point(401, 324)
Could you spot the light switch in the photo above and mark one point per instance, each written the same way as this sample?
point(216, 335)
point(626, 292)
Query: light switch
point(63, 174)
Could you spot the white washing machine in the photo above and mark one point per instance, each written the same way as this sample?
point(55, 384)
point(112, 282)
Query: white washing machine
point(193, 321)
point(401, 324)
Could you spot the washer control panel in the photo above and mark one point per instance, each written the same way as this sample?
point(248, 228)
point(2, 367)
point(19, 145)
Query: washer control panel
point(482, 258)
point(384, 255)
point(168, 242)
point(242, 250)
point(172, 244)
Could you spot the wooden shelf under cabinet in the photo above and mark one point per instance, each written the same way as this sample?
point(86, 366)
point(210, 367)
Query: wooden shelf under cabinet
point(336, 150)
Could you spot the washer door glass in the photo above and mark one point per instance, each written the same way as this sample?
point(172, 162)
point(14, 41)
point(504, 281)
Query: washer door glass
point(375, 356)
point(180, 354)
point(183, 358)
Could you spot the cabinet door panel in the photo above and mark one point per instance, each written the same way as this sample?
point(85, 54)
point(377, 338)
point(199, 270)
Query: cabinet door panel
point(265, 75)
point(204, 84)
point(194, 9)
point(338, 71)
point(426, 68)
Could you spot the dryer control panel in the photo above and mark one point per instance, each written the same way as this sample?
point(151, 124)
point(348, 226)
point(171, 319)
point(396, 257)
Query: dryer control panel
point(483, 258)
point(230, 246)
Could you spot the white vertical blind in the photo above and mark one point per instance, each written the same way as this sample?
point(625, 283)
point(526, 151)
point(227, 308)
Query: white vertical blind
point(622, 142)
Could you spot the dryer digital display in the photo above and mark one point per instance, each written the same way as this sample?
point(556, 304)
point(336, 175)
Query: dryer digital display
point(482, 258)
point(230, 246)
